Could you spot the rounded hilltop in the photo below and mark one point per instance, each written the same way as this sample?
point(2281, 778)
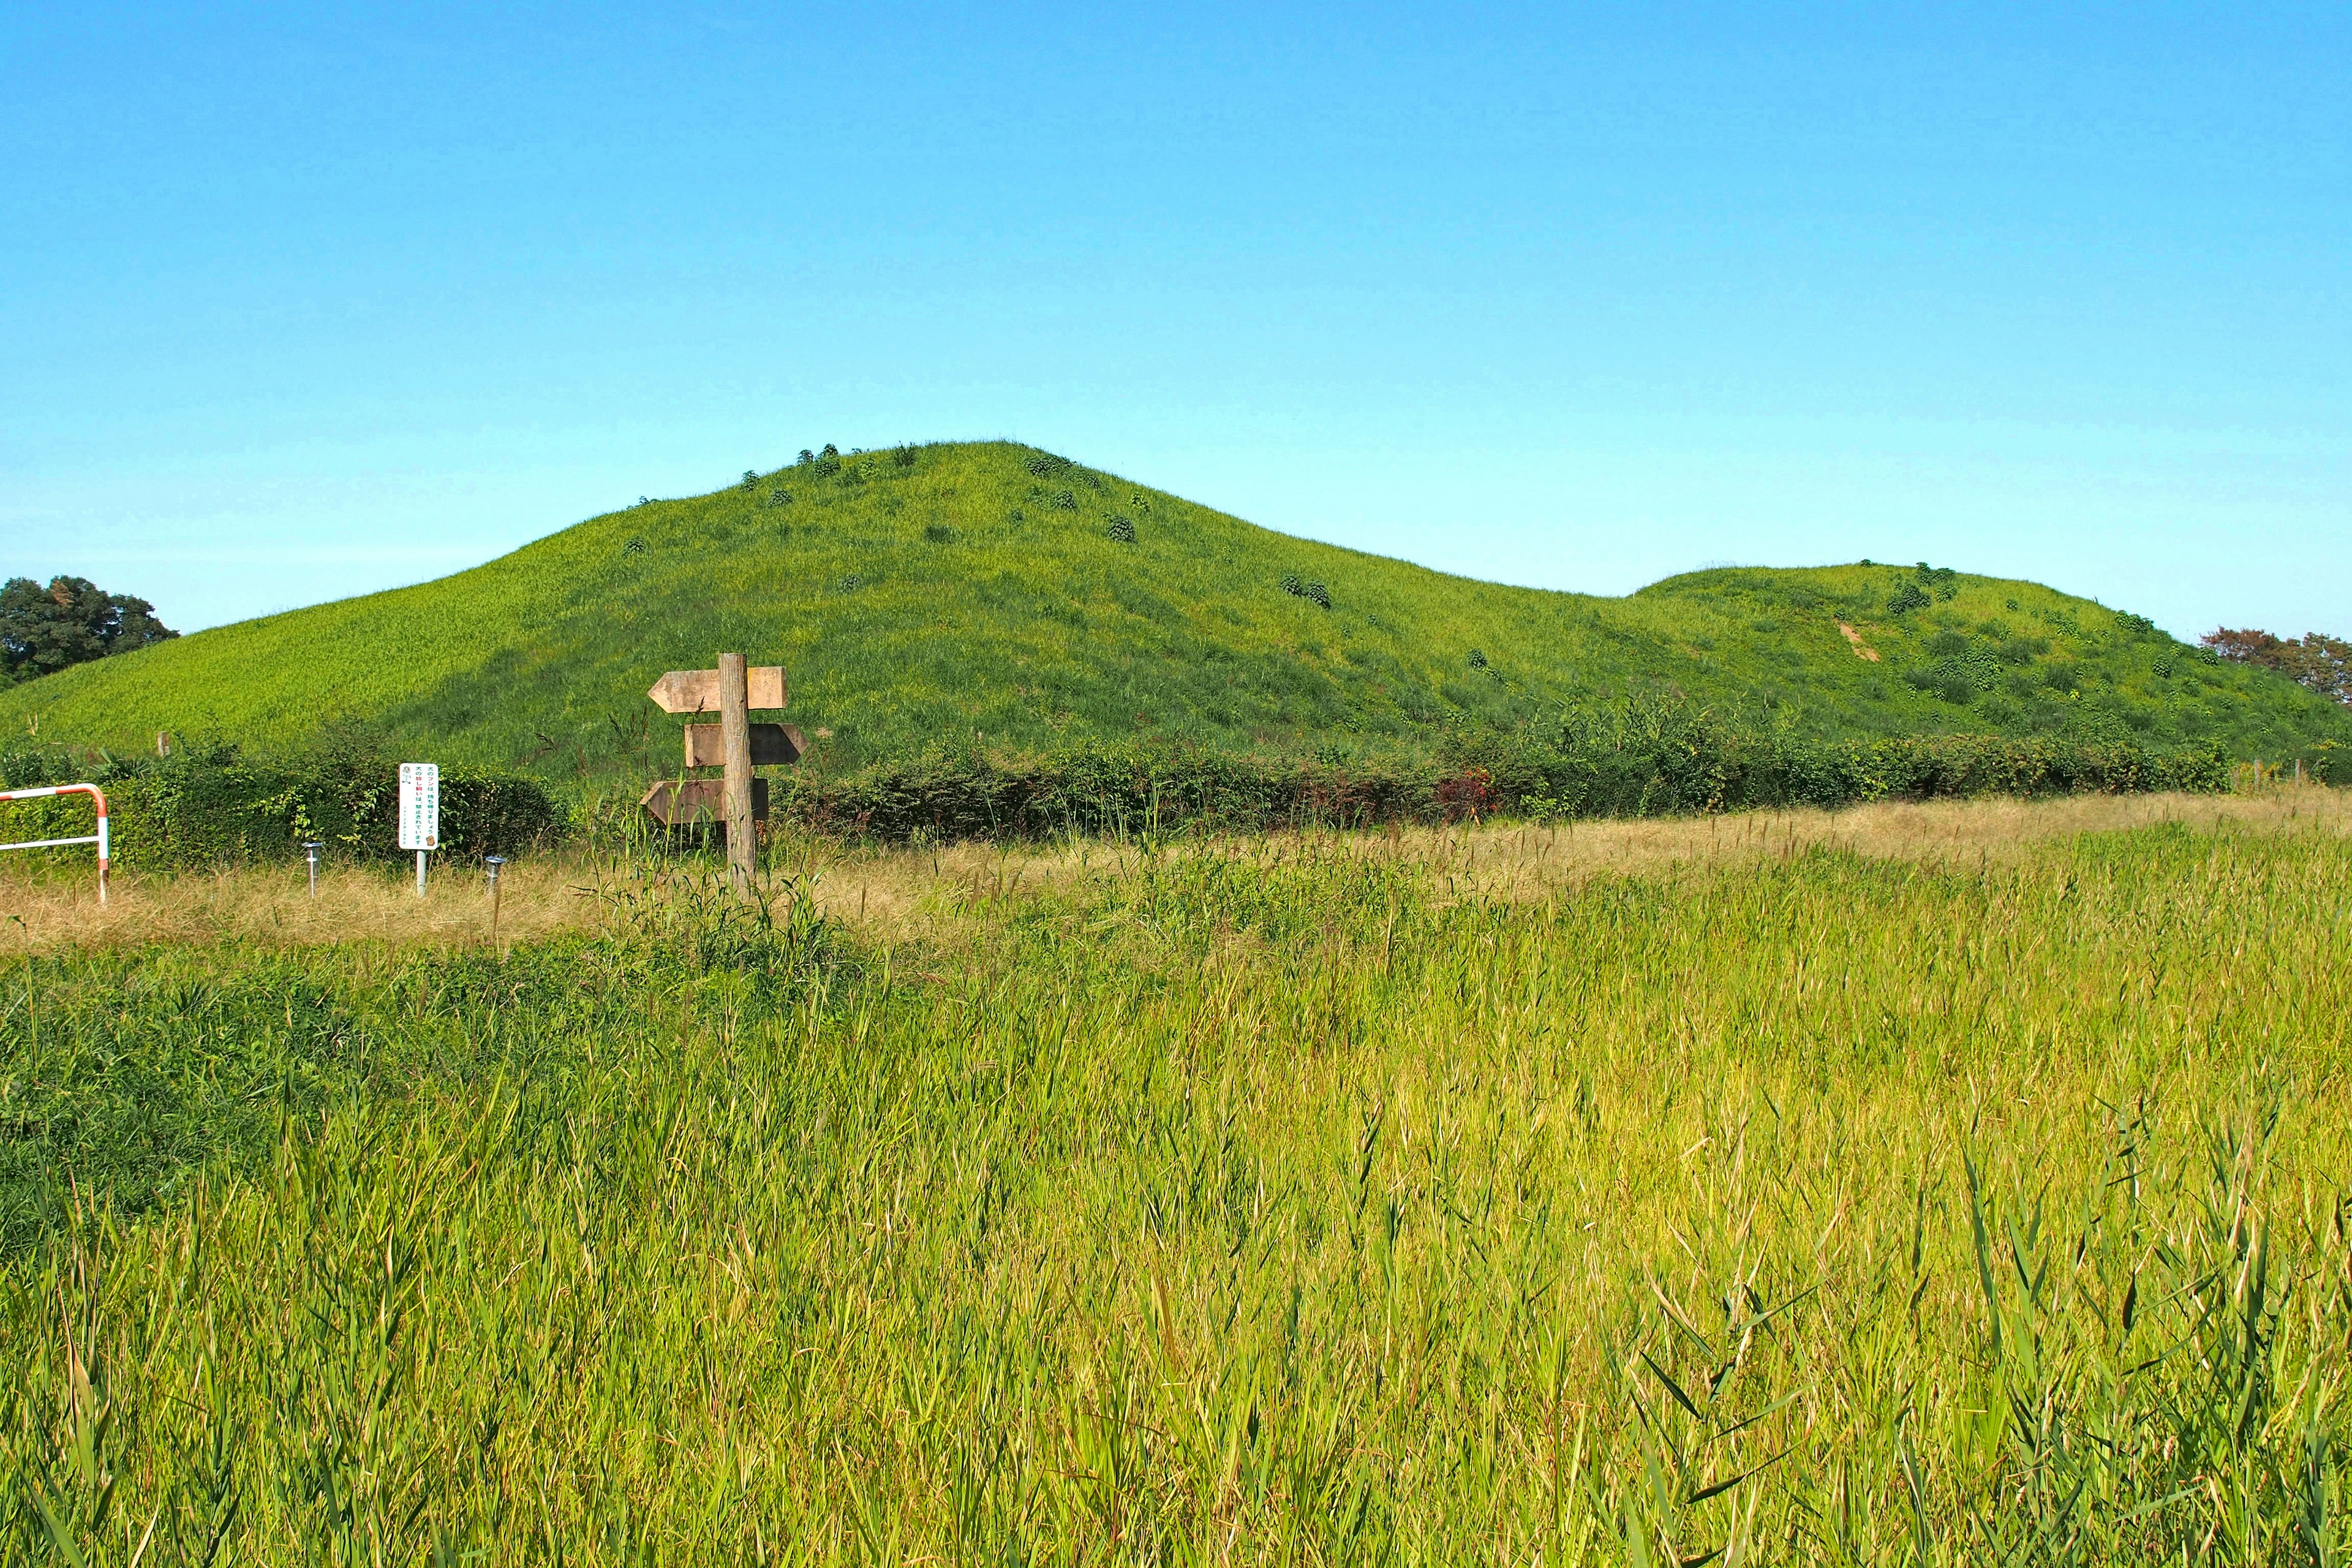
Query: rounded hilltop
point(991, 592)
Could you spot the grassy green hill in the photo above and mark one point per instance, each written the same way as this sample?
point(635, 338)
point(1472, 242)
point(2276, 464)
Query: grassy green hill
point(989, 589)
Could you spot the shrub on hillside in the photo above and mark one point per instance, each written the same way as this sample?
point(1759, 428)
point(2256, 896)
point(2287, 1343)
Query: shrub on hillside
point(2021, 650)
point(1121, 530)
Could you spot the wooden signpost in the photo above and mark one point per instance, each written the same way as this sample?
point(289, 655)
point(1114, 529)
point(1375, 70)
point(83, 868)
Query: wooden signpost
point(734, 744)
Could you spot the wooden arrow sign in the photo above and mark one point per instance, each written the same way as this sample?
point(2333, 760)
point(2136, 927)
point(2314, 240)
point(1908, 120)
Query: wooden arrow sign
point(773, 745)
point(697, 690)
point(676, 803)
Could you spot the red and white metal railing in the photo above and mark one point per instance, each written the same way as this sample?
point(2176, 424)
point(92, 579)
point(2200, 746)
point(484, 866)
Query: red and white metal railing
point(98, 838)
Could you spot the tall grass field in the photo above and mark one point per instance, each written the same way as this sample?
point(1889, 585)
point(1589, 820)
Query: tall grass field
point(1306, 1199)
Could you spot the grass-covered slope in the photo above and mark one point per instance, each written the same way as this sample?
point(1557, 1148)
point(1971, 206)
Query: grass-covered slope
point(955, 592)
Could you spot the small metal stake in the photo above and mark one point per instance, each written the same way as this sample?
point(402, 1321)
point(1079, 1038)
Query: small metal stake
point(311, 846)
point(493, 862)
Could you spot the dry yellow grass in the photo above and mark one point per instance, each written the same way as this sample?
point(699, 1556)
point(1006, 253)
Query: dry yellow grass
point(899, 894)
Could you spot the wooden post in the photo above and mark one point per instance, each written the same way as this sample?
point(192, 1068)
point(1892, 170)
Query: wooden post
point(735, 727)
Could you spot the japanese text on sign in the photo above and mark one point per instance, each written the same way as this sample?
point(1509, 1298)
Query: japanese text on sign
point(420, 805)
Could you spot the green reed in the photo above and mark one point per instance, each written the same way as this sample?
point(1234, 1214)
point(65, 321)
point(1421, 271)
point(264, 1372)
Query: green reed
point(1261, 1204)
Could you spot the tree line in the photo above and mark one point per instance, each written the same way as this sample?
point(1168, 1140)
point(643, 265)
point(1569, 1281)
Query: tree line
point(2318, 661)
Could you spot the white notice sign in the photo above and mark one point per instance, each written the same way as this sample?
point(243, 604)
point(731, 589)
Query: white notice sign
point(420, 805)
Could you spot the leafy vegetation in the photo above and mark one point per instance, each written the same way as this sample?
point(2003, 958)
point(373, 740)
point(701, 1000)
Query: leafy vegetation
point(214, 805)
point(1031, 626)
point(1637, 758)
point(72, 621)
point(1269, 1202)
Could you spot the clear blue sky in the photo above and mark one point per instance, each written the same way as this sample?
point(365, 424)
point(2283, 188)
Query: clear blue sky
point(297, 303)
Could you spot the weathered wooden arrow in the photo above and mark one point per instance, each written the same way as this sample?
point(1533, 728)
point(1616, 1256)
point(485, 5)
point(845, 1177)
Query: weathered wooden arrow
point(773, 745)
point(676, 803)
point(697, 690)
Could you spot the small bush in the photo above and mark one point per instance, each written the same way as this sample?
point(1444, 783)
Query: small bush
point(1122, 529)
point(830, 451)
point(635, 547)
point(852, 582)
point(807, 456)
point(750, 481)
point(2021, 650)
point(1065, 501)
point(939, 534)
point(780, 497)
point(903, 457)
point(1477, 660)
point(1318, 592)
point(1908, 596)
point(1293, 587)
point(1944, 645)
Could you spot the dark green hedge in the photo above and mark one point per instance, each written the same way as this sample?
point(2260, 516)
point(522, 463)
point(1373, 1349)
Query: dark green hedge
point(210, 805)
point(1637, 760)
point(1667, 757)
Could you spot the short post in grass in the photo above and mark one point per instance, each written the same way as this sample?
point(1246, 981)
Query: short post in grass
point(491, 863)
point(310, 847)
point(420, 813)
point(736, 799)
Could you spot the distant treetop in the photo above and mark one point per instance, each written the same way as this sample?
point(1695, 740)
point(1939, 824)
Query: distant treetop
point(2321, 662)
point(71, 621)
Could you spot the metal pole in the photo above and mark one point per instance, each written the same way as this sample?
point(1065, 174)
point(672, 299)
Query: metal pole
point(735, 734)
point(420, 873)
point(310, 847)
point(494, 862)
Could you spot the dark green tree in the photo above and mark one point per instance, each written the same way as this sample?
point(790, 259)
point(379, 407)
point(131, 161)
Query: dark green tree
point(71, 621)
